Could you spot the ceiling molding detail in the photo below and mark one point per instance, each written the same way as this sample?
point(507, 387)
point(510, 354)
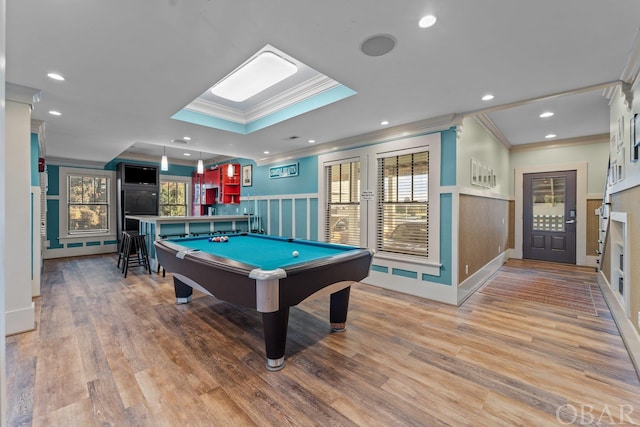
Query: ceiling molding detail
point(75, 163)
point(305, 90)
point(632, 67)
point(22, 94)
point(583, 140)
point(493, 130)
point(527, 101)
point(435, 124)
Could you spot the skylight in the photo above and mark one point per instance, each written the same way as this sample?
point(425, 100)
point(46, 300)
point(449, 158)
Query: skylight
point(259, 73)
point(249, 98)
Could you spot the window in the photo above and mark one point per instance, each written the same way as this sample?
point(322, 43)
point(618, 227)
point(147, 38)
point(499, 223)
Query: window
point(87, 204)
point(343, 203)
point(173, 198)
point(403, 204)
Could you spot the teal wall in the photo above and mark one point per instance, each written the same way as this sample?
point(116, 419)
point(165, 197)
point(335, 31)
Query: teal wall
point(306, 182)
point(448, 157)
point(53, 193)
point(262, 186)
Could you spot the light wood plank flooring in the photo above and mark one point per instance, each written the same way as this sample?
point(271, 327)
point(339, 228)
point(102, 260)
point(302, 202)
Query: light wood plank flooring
point(110, 351)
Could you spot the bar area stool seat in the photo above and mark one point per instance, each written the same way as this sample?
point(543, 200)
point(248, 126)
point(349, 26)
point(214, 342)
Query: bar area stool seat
point(133, 252)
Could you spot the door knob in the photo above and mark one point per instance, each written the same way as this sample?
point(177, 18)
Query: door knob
point(571, 221)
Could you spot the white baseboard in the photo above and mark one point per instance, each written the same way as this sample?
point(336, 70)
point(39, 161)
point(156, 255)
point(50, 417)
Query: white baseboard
point(627, 330)
point(418, 288)
point(477, 279)
point(80, 251)
point(21, 320)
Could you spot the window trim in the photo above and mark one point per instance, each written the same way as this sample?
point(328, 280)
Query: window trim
point(368, 182)
point(414, 145)
point(63, 221)
point(327, 196)
point(186, 180)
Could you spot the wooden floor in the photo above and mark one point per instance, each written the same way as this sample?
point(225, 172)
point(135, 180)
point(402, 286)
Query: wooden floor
point(110, 351)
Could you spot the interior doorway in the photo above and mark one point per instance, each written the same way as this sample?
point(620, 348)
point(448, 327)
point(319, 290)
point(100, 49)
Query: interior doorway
point(550, 216)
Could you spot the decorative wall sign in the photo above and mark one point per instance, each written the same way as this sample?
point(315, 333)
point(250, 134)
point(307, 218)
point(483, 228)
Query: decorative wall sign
point(283, 171)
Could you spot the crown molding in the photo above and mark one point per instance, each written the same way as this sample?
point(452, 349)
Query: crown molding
point(408, 130)
point(582, 140)
point(300, 92)
point(527, 101)
point(632, 66)
point(493, 130)
point(61, 161)
point(220, 111)
point(22, 94)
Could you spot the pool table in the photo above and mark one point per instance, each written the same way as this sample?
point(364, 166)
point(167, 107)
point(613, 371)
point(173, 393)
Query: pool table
point(269, 274)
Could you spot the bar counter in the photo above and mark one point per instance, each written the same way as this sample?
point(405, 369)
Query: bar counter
point(161, 227)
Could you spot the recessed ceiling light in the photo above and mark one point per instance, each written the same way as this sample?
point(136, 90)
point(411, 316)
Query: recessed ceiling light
point(312, 141)
point(259, 73)
point(266, 152)
point(55, 113)
point(384, 122)
point(186, 138)
point(487, 97)
point(56, 76)
point(187, 154)
point(551, 135)
point(427, 21)
point(546, 114)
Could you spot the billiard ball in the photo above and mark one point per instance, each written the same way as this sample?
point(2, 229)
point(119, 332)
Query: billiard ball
point(295, 254)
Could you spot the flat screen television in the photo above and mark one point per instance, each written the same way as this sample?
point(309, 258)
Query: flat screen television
point(137, 174)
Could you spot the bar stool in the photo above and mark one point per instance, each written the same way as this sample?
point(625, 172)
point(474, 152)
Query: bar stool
point(121, 248)
point(134, 252)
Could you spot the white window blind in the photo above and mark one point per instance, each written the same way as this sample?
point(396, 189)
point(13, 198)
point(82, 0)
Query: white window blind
point(87, 204)
point(403, 204)
point(343, 203)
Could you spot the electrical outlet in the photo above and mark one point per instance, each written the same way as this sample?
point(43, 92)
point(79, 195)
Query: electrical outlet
point(466, 271)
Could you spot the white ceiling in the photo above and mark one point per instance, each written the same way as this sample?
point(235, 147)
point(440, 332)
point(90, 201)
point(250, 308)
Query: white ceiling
point(131, 65)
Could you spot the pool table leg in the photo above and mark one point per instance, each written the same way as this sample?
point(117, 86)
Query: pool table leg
point(183, 291)
point(338, 310)
point(275, 337)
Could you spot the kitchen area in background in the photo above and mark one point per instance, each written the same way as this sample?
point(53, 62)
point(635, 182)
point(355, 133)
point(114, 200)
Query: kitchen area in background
point(158, 208)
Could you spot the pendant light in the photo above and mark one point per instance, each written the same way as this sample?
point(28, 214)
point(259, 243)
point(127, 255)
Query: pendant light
point(164, 164)
point(200, 165)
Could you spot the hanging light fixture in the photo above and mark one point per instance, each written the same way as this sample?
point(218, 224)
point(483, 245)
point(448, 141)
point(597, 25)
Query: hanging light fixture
point(164, 163)
point(200, 165)
point(230, 170)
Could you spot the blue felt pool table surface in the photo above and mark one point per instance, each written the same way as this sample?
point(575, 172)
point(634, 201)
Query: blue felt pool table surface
point(265, 252)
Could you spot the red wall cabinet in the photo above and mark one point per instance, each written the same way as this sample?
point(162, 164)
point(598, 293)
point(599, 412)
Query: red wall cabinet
point(218, 185)
point(229, 183)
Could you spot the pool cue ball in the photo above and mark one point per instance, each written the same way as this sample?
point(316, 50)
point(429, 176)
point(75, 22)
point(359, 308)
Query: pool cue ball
point(295, 254)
